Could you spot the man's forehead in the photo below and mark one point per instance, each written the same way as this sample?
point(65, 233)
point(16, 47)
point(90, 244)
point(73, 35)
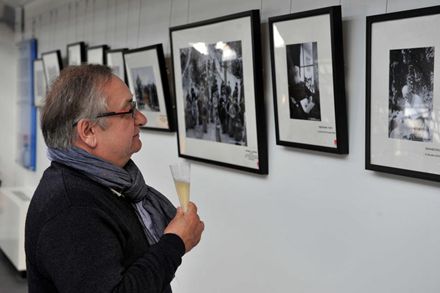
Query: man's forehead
point(118, 93)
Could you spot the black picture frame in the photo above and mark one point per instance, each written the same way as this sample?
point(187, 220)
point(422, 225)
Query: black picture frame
point(148, 81)
point(115, 60)
point(97, 54)
point(53, 65)
point(308, 80)
point(232, 129)
point(401, 103)
point(76, 53)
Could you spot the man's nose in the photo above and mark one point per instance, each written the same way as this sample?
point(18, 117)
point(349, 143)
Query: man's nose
point(140, 119)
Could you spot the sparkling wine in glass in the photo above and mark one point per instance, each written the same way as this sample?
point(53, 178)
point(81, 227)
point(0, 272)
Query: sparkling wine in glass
point(181, 175)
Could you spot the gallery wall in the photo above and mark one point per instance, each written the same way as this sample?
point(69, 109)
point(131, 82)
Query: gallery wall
point(8, 105)
point(318, 222)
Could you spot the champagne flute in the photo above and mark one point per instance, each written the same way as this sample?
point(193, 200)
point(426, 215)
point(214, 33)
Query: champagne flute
point(181, 176)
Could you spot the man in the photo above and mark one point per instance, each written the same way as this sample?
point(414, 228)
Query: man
point(93, 225)
point(299, 95)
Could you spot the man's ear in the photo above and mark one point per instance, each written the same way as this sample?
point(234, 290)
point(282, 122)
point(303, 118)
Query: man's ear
point(86, 132)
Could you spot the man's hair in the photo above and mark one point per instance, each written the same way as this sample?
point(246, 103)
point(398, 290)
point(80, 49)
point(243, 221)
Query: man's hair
point(76, 94)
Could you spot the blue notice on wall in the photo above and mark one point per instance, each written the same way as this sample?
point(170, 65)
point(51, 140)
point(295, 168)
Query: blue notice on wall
point(26, 140)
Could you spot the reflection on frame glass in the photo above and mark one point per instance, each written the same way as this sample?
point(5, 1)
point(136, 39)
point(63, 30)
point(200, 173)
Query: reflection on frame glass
point(148, 81)
point(76, 53)
point(115, 60)
point(402, 114)
point(39, 83)
point(52, 65)
point(308, 80)
point(219, 95)
point(97, 54)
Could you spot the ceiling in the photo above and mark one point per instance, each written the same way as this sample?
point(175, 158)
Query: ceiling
point(15, 3)
point(8, 11)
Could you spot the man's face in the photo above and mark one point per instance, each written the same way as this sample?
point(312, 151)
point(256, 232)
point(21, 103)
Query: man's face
point(120, 138)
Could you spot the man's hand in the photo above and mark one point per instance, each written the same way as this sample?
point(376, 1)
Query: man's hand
point(187, 226)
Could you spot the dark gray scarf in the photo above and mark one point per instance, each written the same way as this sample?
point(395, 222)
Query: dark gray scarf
point(153, 209)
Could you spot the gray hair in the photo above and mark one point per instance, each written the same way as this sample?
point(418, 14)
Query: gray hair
point(76, 94)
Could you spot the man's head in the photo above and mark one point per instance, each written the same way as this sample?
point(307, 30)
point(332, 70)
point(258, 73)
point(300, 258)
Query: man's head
point(296, 74)
point(75, 94)
point(74, 104)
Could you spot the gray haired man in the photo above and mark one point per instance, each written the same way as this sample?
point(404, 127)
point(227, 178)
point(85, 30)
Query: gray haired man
point(93, 224)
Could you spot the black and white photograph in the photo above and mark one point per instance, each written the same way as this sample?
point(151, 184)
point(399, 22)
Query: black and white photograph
point(145, 90)
point(402, 133)
point(303, 79)
point(411, 94)
point(52, 65)
point(148, 81)
point(308, 80)
point(219, 92)
point(212, 80)
point(76, 53)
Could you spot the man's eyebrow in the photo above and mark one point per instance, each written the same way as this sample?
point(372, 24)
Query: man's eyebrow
point(128, 101)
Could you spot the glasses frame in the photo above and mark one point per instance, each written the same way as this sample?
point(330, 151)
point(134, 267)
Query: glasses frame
point(132, 111)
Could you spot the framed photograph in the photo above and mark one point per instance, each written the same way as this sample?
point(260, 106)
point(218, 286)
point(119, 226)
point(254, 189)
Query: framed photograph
point(53, 65)
point(308, 80)
point(219, 93)
point(402, 93)
point(40, 86)
point(115, 60)
point(76, 53)
point(97, 54)
point(148, 81)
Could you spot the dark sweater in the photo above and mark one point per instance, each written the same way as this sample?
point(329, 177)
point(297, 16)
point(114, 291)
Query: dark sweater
point(80, 237)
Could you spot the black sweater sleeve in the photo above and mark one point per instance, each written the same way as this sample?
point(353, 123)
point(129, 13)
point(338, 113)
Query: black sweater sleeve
point(82, 250)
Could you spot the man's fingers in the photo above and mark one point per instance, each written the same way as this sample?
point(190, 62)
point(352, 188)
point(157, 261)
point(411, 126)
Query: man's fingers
point(179, 211)
point(202, 226)
point(192, 207)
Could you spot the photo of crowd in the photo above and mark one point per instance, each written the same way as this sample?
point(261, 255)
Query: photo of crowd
point(214, 101)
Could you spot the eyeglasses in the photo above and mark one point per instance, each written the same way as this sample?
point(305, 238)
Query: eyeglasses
point(132, 111)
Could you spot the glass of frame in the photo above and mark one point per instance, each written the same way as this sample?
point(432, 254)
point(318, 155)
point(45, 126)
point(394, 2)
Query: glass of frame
point(147, 79)
point(219, 93)
point(76, 53)
point(115, 60)
point(308, 80)
point(97, 54)
point(52, 65)
point(39, 83)
point(402, 93)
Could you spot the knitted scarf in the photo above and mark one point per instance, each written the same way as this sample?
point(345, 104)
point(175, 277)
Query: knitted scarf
point(153, 209)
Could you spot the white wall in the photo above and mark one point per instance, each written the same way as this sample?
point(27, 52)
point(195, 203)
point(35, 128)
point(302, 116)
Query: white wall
point(317, 223)
point(8, 105)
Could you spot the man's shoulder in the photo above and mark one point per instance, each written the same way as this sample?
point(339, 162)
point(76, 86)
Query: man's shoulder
point(63, 189)
point(63, 186)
